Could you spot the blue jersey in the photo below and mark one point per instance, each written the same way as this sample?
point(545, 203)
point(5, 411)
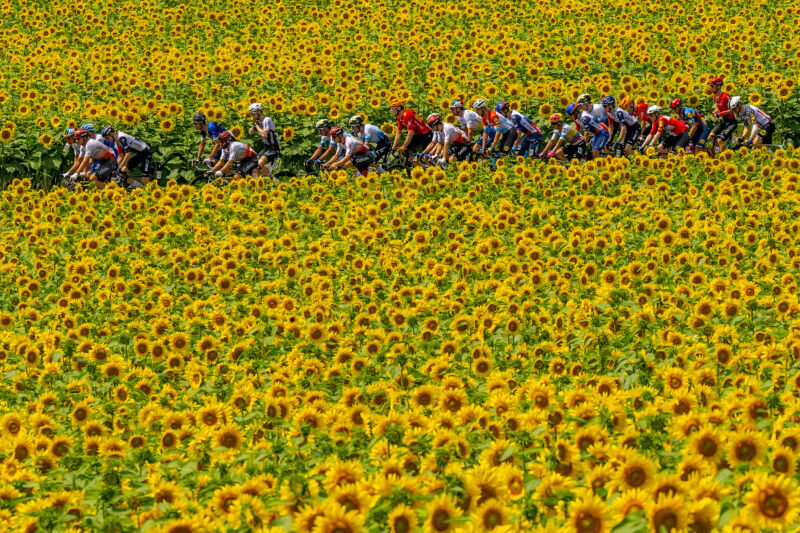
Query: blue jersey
point(590, 123)
point(214, 129)
point(691, 116)
point(372, 134)
point(523, 123)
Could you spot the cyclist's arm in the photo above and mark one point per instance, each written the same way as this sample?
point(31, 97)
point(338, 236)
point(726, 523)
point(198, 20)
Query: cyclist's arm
point(396, 139)
point(547, 146)
point(316, 153)
point(430, 148)
point(693, 129)
point(124, 158)
point(746, 129)
point(343, 162)
point(408, 139)
point(202, 148)
point(215, 149)
point(484, 136)
point(517, 141)
point(226, 167)
point(623, 132)
point(469, 133)
point(219, 165)
point(446, 150)
point(328, 152)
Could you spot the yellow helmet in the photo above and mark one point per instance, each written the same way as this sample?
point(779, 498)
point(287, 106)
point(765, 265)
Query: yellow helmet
point(626, 102)
point(396, 102)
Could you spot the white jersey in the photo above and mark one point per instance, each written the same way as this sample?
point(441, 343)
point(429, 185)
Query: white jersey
point(469, 119)
point(129, 143)
point(599, 113)
point(350, 146)
point(568, 133)
point(752, 115)
point(237, 151)
point(371, 133)
point(76, 148)
point(326, 140)
point(450, 134)
point(271, 133)
point(620, 116)
point(98, 150)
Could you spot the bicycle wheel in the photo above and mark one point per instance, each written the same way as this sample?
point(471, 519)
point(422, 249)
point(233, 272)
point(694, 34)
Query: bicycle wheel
point(285, 174)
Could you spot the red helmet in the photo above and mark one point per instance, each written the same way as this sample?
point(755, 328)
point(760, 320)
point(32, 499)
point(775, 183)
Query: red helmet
point(676, 103)
point(225, 137)
point(715, 81)
point(336, 130)
point(81, 133)
point(434, 119)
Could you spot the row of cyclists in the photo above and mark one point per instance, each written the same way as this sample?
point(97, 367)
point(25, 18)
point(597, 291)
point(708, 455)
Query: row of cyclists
point(586, 130)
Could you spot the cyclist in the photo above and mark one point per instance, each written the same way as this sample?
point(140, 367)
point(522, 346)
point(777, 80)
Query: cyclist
point(492, 124)
point(449, 143)
point(668, 132)
point(350, 152)
point(133, 153)
point(529, 137)
point(639, 111)
point(566, 142)
point(468, 119)
point(326, 145)
point(626, 124)
point(71, 145)
point(723, 130)
point(374, 137)
point(233, 151)
point(596, 110)
point(590, 125)
point(265, 128)
point(760, 123)
point(99, 162)
point(206, 129)
point(698, 127)
point(419, 134)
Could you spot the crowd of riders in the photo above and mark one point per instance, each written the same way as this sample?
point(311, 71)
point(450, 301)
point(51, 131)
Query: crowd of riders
point(585, 130)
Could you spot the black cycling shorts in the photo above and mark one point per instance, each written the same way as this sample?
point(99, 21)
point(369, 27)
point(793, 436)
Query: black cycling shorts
point(576, 151)
point(105, 168)
point(507, 141)
point(361, 161)
point(724, 128)
point(247, 165)
point(143, 158)
point(632, 134)
point(460, 151)
point(766, 132)
point(383, 148)
point(676, 141)
point(270, 154)
point(420, 142)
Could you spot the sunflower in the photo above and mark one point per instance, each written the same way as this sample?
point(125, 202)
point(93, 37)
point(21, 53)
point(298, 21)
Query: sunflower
point(772, 501)
point(337, 519)
point(746, 446)
point(669, 513)
point(167, 125)
point(402, 519)
point(288, 133)
point(229, 436)
point(636, 473)
point(441, 513)
point(589, 514)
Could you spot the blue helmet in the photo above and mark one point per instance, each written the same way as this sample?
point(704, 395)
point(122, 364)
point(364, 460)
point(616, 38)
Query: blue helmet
point(88, 127)
point(501, 106)
point(608, 100)
point(69, 132)
point(198, 118)
point(571, 108)
point(106, 131)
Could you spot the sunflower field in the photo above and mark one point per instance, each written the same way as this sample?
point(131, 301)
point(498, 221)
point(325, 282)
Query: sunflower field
point(146, 66)
point(609, 347)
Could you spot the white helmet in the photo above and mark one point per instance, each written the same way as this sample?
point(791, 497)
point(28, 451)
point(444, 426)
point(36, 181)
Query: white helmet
point(256, 107)
point(480, 103)
point(734, 102)
point(653, 109)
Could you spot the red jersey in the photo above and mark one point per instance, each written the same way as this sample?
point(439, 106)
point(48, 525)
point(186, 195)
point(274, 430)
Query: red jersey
point(641, 113)
point(490, 119)
point(409, 120)
point(669, 126)
point(723, 103)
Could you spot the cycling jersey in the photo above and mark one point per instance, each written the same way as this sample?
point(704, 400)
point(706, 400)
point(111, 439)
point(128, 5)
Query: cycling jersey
point(372, 134)
point(599, 113)
point(504, 125)
point(470, 119)
point(214, 129)
point(622, 117)
point(129, 143)
point(723, 103)
point(271, 137)
point(589, 123)
point(641, 113)
point(99, 150)
point(568, 133)
point(450, 134)
point(750, 115)
point(237, 151)
point(409, 120)
point(351, 146)
point(76, 148)
point(523, 123)
point(325, 140)
point(691, 116)
point(668, 126)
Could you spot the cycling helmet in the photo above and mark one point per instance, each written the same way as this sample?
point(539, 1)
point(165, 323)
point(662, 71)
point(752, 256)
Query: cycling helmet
point(584, 99)
point(356, 120)
point(653, 109)
point(88, 127)
point(198, 118)
point(608, 100)
point(256, 107)
point(106, 131)
point(396, 102)
point(734, 102)
point(480, 103)
point(715, 81)
point(626, 102)
point(572, 108)
point(456, 104)
point(554, 118)
point(676, 103)
point(434, 119)
point(336, 130)
point(501, 106)
point(323, 123)
point(80, 133)
point(69, 132)
point(225, 137)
